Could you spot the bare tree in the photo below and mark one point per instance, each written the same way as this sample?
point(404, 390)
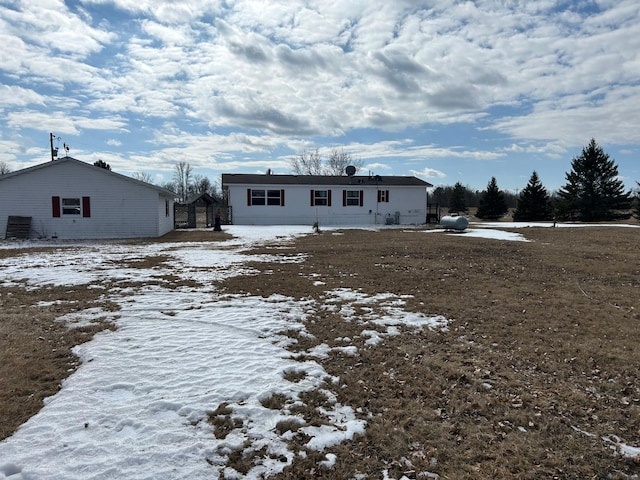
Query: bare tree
point(171, 186)
point(202, 184)
point(4, 168)
point(143, 177)
point(308, 162)
point(182, 179)
point(339, 160)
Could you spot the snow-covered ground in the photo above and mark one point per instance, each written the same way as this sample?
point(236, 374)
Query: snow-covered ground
point(499, 225)
point(138, 406)
point(483, 233)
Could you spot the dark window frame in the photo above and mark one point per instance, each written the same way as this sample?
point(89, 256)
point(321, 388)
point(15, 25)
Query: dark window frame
point(259, 197)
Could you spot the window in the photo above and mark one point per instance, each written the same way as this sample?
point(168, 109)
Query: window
point(273, 197)
point(352, 198)
point(383, 196)
point(265, 197)
point(258, 197)
point(321, 198)
point(71, 206)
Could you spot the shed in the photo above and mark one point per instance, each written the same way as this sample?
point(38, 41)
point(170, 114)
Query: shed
point(197, 211)
point(70, 199)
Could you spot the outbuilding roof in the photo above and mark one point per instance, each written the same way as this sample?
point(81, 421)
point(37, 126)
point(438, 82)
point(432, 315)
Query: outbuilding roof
point(333, 180)
point(74, 161)
point(205, 197)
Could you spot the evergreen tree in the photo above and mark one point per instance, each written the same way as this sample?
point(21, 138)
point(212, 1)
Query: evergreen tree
point(102, 164)
point(440, 195)
point(457, 203)
point(637, 200)
point(593, 190)
point(533, 202)
point(492, 203)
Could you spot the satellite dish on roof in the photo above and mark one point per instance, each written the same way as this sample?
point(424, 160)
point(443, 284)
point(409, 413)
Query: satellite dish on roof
point(350, 170)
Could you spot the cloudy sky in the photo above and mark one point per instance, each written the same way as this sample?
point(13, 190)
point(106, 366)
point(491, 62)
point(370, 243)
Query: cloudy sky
point(445, 90)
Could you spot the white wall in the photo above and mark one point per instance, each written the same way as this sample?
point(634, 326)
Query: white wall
point(410, 202)
point(165, 222)
point(119, 208)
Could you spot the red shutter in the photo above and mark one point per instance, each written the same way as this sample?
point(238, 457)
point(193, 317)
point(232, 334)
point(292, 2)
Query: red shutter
point(248, 197)
point(344, 198)
point(282, 198)
point(55, 205)
point(328, 198)
point(361, 198)
point(86, 207)
point(312, 197)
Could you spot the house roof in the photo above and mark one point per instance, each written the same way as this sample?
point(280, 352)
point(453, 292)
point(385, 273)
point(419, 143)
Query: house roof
point(74, 161)
point(333, 180)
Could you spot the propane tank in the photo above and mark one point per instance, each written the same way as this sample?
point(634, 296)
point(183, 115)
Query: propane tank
point(454, 222)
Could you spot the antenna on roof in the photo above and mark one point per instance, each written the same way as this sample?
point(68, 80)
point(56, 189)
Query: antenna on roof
point(54, 151)
point(350, 170)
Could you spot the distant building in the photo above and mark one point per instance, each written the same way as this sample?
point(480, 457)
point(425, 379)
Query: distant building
point(70, 199)
point(197, 211)
point(329, 200)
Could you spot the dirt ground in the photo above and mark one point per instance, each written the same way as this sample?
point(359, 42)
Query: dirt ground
point(536, 377)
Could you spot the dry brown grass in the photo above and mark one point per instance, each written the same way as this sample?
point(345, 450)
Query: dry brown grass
point(35, 350)
point(544, 338)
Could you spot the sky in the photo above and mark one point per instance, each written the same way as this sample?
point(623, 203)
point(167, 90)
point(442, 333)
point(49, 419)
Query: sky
point(448, 91)
point(137, 406)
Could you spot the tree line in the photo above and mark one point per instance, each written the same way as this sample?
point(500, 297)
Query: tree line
point(187, 184)
point(593, 192)
point(593, 189)
point(312, 162)
point(184, 182)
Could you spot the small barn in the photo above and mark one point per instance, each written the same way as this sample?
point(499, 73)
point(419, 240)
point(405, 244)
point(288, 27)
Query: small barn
point(70, 199)
point(197, 211)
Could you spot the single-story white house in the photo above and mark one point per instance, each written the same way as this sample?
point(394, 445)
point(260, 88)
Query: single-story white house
point(70, 199)
point(269, 199)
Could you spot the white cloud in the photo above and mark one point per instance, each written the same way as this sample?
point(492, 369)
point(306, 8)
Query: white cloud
point(250, 83)
point(13, 95)
point(61, 123)
point(429, 173)
point(51, 26)
point(377, 166)
point(574, 119)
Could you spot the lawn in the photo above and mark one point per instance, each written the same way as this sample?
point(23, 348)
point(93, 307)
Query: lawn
point(525, 364)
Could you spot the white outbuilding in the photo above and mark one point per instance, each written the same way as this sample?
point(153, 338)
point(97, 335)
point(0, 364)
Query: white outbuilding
point(70, 199)
point(255, 199)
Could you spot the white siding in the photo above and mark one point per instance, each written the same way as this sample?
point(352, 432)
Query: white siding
point(407, 204)
point(119, 208)
point(165, 221)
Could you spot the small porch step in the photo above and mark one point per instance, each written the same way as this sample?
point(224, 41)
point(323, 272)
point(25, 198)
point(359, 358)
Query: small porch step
point(18, 227)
